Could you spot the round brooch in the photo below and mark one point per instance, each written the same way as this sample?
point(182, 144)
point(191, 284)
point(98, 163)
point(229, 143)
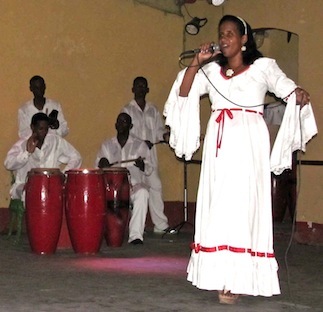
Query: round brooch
point(229, 72)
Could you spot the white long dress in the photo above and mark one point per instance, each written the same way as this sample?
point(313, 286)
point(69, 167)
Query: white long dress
point(233, 242)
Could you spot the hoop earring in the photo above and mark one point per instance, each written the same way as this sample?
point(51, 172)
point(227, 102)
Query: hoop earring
point(243, 48)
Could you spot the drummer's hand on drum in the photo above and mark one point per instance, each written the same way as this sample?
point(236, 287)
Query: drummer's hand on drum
point(139, 162)
point(31, 143)
point(149, 144)
point(104, 163)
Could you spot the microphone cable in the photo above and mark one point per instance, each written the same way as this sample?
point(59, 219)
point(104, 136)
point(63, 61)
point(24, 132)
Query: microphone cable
point(289, 245)
point(215, 88)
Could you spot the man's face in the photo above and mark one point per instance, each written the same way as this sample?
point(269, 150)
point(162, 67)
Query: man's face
point(40, 130)
point(123, 124)
point(140, 88)
point(38, 88)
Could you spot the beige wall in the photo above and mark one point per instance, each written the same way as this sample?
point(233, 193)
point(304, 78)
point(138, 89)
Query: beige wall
point(90, 51)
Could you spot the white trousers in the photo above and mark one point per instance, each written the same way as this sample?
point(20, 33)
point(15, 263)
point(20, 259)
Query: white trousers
point(139, 199)
point(156, 203)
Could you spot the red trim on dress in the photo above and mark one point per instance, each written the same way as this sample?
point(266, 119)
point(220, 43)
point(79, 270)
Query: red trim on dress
point(197, 248)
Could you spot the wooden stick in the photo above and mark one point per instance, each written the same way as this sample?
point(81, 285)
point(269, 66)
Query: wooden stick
point(125, 161)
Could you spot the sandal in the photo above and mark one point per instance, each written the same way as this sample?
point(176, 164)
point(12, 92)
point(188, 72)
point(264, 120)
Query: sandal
point(225, 297)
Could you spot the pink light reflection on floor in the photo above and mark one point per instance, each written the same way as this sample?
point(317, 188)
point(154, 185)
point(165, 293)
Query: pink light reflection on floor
point(156, 265)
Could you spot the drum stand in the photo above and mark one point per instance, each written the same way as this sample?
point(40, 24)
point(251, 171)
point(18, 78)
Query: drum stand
point(178, 227)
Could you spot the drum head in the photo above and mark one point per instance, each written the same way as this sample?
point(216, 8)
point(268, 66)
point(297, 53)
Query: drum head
point(84, 171)
point(115, 170)
point(45, 171)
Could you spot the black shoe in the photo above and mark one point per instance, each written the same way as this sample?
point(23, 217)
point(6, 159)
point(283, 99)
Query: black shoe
point(137, 242)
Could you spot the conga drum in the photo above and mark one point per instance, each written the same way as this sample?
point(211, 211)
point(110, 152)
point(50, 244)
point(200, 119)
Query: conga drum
point(85, 208)
point(117, 204)
point(44, 208)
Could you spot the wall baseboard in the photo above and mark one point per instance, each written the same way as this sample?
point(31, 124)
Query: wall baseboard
point(305, 232)
point(174, 211)
point(309, 233)
point(4, 220)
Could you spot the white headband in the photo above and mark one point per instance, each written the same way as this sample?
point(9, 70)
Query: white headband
point(244, 24)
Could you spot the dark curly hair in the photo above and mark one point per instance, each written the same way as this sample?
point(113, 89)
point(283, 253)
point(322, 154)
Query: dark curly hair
point(39, 117)
point(251, 53)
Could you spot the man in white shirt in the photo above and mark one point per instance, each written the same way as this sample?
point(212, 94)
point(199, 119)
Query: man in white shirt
point(40, 150)
point(127, 151)
point(57, 122)
point(148, 126)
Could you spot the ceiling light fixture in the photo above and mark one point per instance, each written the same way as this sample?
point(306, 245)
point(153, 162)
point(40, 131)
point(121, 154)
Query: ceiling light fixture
point(193, 27)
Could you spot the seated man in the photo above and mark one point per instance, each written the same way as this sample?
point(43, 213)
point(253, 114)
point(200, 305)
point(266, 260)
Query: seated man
point(41, 104)
point(148, 126)
point(118, 151)
point(40, 150)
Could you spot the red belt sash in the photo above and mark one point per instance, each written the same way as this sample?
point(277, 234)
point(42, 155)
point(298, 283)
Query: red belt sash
point(220, 120)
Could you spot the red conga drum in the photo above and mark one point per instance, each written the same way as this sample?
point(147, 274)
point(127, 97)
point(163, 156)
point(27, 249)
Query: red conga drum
point(44, 208)
point(85, 208)
point(117, 204)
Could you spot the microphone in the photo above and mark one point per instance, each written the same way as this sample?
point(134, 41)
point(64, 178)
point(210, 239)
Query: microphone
point(213, 48)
